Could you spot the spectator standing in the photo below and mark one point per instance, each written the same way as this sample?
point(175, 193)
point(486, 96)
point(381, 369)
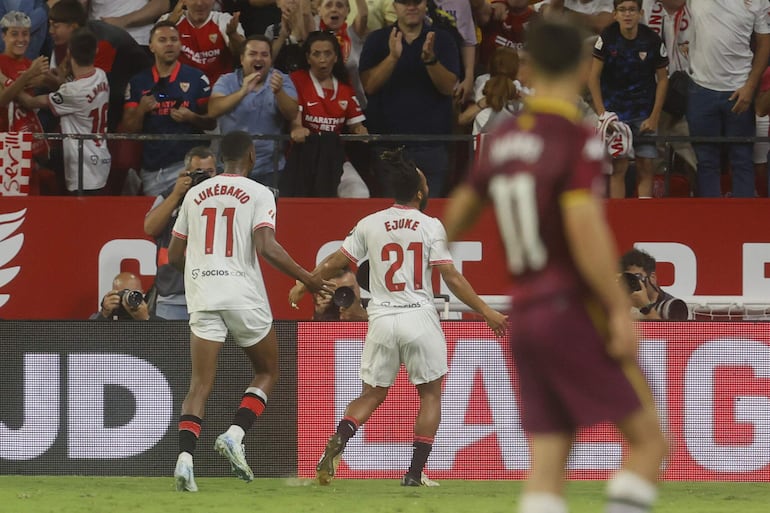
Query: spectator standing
point(333, 14)
point(725, 77)
point(508, 32)
point(37, 11)
point(134, 16)
point(227, 230)
point(257, 99)
point(117, 53)
point(670, 19)
point(540, 175)
point(289, 34)
point(83, 106)
point(199, 164)
point(125, 302)
point(17, 74)
point(458, 21)
point(403, 322)
point(169, 98)
point(411, 56)
point(211, 40)
point(327, 104)
point(628, 77)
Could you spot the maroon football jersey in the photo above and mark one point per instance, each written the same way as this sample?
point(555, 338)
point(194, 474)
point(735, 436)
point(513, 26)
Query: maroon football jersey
point(529, 166)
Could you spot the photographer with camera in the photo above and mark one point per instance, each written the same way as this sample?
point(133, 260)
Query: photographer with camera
point(638, 273)
point(344, 304)
point(125, 302)
point(199, 164)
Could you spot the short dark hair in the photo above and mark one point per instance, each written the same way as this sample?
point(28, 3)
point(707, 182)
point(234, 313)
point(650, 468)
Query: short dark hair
point(616, 3)
point(402, 175)
point(68, 11)
point(257, 37)
point(234, 146)
point(638, 258)
point(555, 48)
point(82, 46)
point(201, 152)
point(164, 23)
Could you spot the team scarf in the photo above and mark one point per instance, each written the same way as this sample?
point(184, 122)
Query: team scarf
point(682, 22)
point(342, 37)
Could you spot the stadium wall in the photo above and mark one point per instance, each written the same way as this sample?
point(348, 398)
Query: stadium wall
point(103, 399)
point(704, 247)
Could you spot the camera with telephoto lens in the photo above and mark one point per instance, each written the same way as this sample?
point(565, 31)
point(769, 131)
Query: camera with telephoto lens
point(134, 298)
point(633, 282)
point(673, 309)
point(344, 297)
point(197, 176)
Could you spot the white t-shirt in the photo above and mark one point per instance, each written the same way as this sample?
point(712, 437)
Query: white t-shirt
point(677, 40)
point(402, 244)
point(720, 57)
point(82, 106)
point(112, 9)
point(218, 218)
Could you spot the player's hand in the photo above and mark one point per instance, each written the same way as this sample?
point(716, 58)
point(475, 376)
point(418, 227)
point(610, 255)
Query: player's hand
point(742, 97)
point(276, 81)
point(298, 135)
point(622, 343)
point(428, 54)
point(296, 294)
point(396, 43)
point(316, 285)
point(110, 303)
point(496, 321)
point(233, 24)
point(182, 114)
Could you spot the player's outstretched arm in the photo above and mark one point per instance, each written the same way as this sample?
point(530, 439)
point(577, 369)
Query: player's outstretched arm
point(268, 248)
point(327, 268)
point(465, 293)
point(463, 209)
point(593, 251)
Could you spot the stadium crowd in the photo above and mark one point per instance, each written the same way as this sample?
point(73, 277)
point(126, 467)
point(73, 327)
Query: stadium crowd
point(422, 70)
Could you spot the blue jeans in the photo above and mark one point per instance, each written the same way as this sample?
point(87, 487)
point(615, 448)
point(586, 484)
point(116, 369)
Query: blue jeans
point(709, 115)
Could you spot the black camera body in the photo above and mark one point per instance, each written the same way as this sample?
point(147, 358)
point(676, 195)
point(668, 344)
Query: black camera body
point(344, 296)
point(134, 298)
point(197, 176)
point(633, 282)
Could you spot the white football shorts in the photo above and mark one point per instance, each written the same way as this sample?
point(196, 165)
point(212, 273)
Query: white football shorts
point(247, 326)
point(412, 337)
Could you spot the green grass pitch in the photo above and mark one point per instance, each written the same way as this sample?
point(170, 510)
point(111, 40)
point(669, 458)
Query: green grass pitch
point(75, 494)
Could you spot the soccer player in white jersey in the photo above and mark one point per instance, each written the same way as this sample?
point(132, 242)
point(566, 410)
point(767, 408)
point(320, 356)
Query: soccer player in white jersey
point(402, 244)
point(82, 105)
point(223, 224)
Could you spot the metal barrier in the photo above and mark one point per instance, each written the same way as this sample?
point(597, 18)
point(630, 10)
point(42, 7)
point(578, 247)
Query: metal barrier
point(384, 138)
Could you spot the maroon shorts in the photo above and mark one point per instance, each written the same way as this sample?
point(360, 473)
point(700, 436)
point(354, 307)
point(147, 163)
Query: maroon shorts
point(566, 377)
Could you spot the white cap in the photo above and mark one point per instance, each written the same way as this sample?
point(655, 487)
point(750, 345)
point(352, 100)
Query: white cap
point(15, 19)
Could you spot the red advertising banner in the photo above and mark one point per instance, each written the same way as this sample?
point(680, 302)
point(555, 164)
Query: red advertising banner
point(58, 255)
point(710, 380)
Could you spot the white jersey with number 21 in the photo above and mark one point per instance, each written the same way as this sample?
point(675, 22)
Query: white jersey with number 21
point(402, 244)
point(217, 218)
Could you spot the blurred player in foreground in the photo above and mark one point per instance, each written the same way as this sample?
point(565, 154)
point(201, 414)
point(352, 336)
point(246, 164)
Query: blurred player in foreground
point(223, 224)
point(402, 244)
point(572, 338)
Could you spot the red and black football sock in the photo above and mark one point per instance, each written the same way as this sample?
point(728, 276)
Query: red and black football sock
point(347, 427)
point(252, 405)
point(189, 432)
point(422, 446)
